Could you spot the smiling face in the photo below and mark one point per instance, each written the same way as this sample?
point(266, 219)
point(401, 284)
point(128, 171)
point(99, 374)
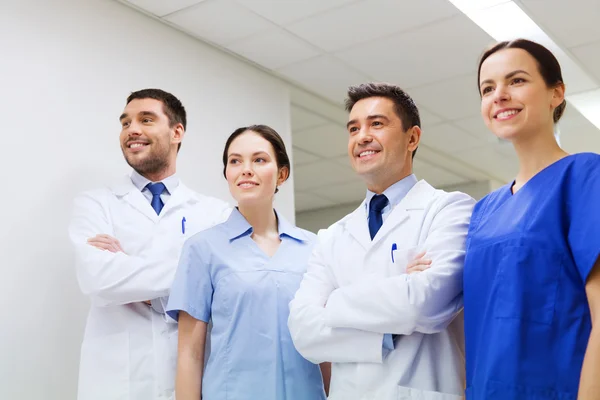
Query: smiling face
point(516, 102)
point(148, 142)
point(379, 148)
point(252, 171)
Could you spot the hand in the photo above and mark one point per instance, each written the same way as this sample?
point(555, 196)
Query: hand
point(105, 242)
point(418, 264)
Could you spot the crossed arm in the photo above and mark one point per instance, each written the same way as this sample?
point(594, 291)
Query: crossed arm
point(105, 272)
point(325, 321)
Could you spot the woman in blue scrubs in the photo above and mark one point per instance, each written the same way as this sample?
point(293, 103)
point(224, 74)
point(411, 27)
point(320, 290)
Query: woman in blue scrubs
point(241, 275)
point(532, 273)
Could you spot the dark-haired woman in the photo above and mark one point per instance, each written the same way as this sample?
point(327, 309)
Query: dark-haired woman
point(241, 275)
point(532, 273)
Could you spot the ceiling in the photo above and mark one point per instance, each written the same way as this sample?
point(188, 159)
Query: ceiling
point(428, 47)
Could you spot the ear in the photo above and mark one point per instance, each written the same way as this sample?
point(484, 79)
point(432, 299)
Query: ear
point(282, 175)
point(414, 138)
point(558, 95)
point(178, 134)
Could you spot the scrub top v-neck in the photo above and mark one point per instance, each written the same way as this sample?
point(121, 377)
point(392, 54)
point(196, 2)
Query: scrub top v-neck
point(225, 277)
point(527, 319)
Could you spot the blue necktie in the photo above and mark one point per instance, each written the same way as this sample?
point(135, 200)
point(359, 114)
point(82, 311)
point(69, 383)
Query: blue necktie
point(156, 189)
point(377, 204)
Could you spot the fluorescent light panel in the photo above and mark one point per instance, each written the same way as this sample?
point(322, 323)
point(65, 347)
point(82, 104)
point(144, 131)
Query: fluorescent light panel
point(505, 20)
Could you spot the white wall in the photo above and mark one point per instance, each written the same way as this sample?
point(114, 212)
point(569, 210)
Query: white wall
point(67, 67)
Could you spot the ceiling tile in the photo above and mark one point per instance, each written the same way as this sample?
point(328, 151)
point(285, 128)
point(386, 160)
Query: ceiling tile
point(451, 162)
point(273, 48)
point(300, 157)
point(285, 11)
point(448, 138)
point(324, 75)
point(349, 192)
point(320, 174)
point(220, 22)
point(501, 166)
point(161, 7)
point(326, 140)
point(476, 127)
point(428, 119)
point(589, 56)
point(303, 119)
point(307, 201)
point(451, 99)
point(435, 176)
point(428, 54)
point(572, 23)
point(347, 26)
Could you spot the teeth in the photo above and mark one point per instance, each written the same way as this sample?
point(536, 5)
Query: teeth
point(247, 185)
point(136, 145)
point(505, 114)
point(367, 153)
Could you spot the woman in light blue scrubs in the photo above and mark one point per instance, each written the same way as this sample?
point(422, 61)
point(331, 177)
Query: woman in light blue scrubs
point(532, 273)
point(241, 275)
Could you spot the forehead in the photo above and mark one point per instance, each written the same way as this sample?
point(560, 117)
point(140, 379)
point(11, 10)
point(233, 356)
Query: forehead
point(139, 105)
point(507, 60)
point(250, 142)
point(372, 106)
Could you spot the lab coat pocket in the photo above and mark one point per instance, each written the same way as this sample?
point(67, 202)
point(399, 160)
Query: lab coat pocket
point(406, 393)
point(527, 283)
point(399, 259)
point(104, 368)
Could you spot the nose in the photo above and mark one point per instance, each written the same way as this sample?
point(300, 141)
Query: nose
point(501, 94)
point(247, 169)
point(364, 137)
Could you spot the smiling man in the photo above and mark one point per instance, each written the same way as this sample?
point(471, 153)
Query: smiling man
point(127, 240)
point(382, 296)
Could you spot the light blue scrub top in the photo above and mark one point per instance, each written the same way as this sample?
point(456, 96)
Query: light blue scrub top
point(527, 319)
point(224, 276)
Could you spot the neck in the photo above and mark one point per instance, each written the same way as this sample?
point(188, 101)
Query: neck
point(378, 186)
point(536, 153)
point(159, 175)
point(261, 217)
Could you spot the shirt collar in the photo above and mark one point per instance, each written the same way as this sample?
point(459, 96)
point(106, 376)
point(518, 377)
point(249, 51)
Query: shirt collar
point(140, 182)
point(237, 226)
point(394, 193)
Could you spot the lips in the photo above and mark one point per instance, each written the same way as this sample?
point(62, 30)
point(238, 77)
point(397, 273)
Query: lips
point(247, 184)
point(506, 113)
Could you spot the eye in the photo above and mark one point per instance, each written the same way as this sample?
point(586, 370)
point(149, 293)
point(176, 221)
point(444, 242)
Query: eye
point(486, 90)
point(260, 160)
point(377, 123)
point(352, 129)
point(233, 161)
point(518, 80)
point(146, 120)
point(125, 124)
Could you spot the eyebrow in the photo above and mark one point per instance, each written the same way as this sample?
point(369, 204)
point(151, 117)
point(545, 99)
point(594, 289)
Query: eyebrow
point(369, 118)
point(507, 76)
point(142, 113)
point(254, 154)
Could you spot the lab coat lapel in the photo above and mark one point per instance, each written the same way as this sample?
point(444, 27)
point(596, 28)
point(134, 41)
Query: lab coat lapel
point(358, 227)
point(179, 196)
point(415, 199)
point(126, 190)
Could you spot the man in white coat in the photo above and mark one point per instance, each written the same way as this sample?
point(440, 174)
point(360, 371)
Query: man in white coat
point(127, 240)
point(382, 296)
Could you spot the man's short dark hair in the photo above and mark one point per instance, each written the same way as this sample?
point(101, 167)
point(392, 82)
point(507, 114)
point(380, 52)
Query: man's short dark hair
point(172, 107)
point(405, 107)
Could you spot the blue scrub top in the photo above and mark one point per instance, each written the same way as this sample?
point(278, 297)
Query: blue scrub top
point(223, 275)
point(527, 319)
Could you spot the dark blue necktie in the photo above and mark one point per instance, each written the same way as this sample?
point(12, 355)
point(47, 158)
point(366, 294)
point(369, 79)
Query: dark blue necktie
point(156, 189)
point(377, 204)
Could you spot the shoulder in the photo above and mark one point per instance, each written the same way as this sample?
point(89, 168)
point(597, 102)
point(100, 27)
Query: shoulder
point(582, 164)
point(443, 200)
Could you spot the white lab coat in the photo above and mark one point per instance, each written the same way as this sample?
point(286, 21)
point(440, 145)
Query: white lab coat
point(352, 294)
point(129, 349)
